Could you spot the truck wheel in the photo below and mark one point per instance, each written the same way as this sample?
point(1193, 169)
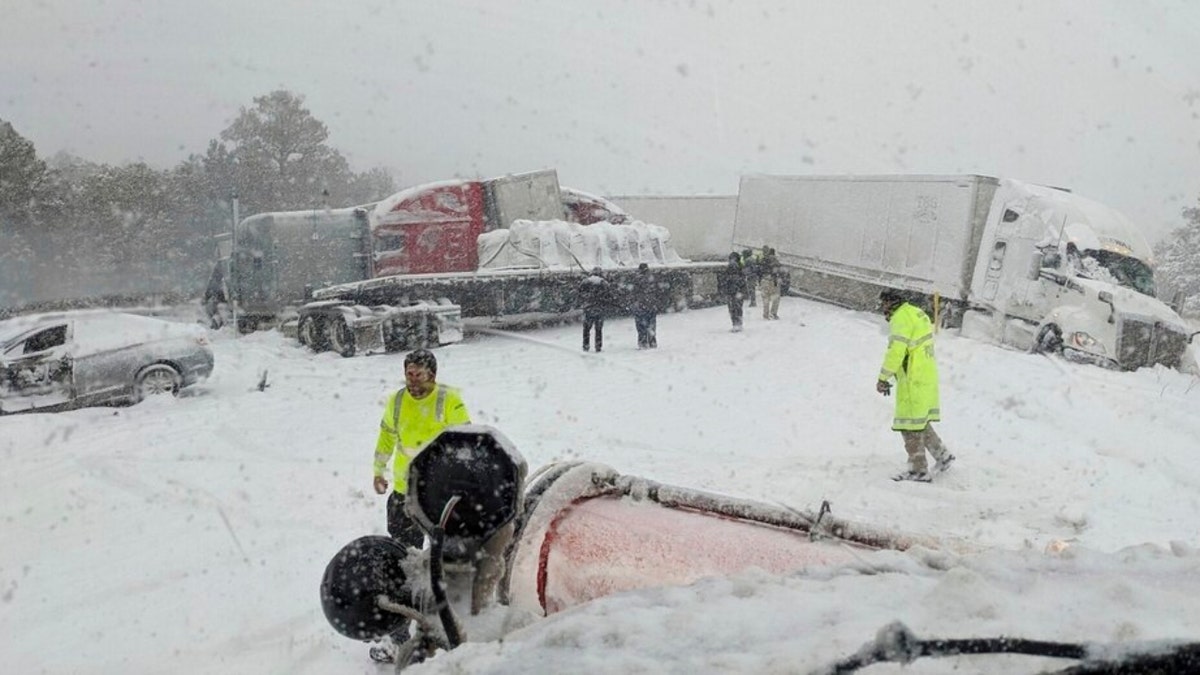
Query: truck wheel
point(432, 338)
point(341, 338)
point(311, 334)
point(1049, 340)
point(952, 316)
point(158, 378)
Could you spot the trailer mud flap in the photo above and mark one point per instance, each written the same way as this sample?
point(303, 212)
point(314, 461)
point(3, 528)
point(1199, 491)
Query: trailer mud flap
point(368, 335)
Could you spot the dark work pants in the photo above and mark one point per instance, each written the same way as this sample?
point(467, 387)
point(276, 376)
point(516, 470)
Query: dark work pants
point(647, 329)
point(735, 311)
point(402, 528)
point(590, 321)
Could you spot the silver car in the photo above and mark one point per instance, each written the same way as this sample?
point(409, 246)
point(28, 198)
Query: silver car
point(76, 359)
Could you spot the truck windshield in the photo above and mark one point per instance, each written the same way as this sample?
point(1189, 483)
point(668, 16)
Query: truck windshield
point(1117, 269)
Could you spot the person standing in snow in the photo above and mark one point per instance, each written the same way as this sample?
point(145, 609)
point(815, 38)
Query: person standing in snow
point(731, 283)
point(413, 416)
point(771, 273)
point(752, 270)
point(595, 296)
point(909, 360)
point(644, 305)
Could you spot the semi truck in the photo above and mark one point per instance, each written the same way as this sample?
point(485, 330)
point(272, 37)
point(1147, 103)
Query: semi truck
point(1025, 265)
point(417, 267)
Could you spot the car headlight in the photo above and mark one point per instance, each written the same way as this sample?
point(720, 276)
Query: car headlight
point(1082, 340)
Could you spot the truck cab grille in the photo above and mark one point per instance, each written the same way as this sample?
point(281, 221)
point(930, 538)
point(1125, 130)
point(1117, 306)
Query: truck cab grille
point(1142, 343)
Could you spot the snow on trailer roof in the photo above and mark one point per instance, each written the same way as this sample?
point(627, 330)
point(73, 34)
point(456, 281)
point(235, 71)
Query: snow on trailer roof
point(571, 195)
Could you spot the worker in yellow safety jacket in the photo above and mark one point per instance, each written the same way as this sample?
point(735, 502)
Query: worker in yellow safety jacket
point(909, 360)
point(414, 415)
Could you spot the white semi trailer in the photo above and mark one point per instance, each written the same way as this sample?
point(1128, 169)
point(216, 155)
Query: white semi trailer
point(1021, 264)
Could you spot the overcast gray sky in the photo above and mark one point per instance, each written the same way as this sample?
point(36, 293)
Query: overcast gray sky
point(637, 96)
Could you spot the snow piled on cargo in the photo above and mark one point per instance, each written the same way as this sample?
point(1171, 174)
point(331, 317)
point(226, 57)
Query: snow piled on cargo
point(559, 244)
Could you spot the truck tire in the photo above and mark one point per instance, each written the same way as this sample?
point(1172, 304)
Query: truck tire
point(432, 337)
point(311, 333)
point(341, 338)
point(1049, 340)
point(952, 315)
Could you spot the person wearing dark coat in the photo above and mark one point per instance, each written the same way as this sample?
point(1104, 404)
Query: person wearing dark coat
point(731, 283)
point(644, 304)
point(595, 297)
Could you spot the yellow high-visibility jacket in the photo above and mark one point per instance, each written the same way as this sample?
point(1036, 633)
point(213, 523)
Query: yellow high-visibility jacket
point(409, 423)
point(909, 359)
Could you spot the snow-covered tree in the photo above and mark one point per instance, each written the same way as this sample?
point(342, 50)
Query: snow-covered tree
point(22, 176)
point(276, 155)
point(1179, 260)
point(23, 190)
point(70, 228)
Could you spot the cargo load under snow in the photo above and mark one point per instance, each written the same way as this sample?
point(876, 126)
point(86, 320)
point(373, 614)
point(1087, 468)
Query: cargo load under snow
point(558, 244)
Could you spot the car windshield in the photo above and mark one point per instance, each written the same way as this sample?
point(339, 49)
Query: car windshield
point(1117, 269)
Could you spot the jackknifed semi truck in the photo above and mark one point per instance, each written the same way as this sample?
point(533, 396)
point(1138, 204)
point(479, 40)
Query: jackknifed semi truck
point(416, 267)
point(1024, 265)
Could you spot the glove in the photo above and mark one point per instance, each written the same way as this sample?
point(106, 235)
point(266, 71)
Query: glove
point(884, 387)
point(381, 485)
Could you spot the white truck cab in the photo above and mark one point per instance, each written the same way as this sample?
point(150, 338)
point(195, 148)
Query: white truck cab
point(1078, 276)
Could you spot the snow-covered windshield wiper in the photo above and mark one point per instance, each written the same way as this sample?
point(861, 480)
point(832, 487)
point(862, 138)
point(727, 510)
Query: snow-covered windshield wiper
point(895, 643)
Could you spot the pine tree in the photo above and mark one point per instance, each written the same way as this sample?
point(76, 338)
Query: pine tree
point(1179, 261)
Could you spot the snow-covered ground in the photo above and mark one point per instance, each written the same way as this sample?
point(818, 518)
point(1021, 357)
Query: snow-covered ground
point(189, 535)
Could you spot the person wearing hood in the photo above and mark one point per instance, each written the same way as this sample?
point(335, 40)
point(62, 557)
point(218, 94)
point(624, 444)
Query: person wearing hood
point(644, 304)
point(731, 283)
point(595, 297)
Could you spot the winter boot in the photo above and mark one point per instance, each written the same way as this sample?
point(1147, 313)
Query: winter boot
point(915, 476)
point(384, 653)
point(942, 463)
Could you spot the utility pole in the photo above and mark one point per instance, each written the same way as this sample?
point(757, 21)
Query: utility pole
point(233, 270)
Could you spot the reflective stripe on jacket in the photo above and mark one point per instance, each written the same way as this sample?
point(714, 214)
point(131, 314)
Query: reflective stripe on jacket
point(409, 423)
point(909, 359)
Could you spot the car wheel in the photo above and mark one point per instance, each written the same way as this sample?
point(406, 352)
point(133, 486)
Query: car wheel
point(159, 378)
point(341, 338)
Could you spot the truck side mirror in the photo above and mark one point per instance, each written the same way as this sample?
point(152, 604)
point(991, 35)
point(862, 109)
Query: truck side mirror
point(1177, 300)
point(1035, 266)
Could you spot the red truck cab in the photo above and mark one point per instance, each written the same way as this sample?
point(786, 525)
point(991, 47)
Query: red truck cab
point(428, 229)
